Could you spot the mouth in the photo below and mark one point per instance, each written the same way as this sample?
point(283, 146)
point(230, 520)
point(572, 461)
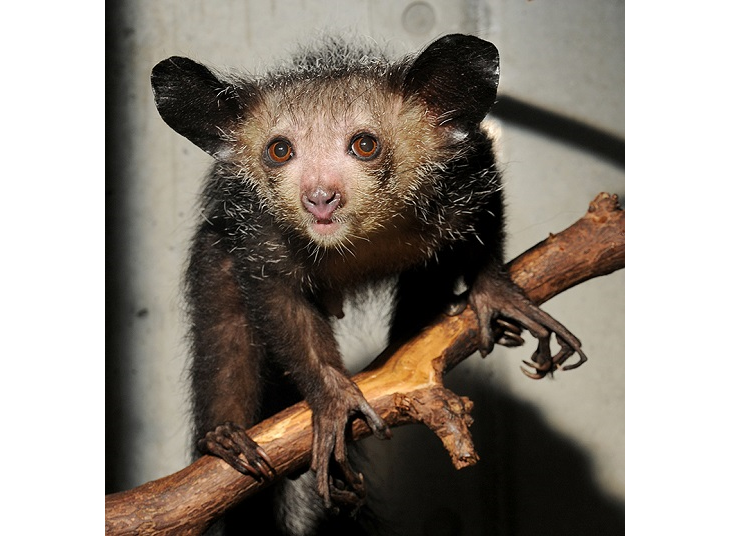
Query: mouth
point(325, 227)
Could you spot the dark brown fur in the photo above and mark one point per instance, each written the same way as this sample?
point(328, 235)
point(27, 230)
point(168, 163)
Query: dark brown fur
point(281, 244)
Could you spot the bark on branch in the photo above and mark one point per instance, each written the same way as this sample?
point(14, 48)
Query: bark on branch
point(404, 384)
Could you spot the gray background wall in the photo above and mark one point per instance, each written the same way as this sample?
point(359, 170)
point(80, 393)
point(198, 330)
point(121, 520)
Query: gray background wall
point(552, 451)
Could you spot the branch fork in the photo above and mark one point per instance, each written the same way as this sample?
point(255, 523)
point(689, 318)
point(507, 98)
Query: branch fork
point(404, 385)
point(447, 415)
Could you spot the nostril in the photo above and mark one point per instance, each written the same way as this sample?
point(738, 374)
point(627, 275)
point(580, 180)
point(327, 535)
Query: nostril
point(321, 202)
point(319, 196)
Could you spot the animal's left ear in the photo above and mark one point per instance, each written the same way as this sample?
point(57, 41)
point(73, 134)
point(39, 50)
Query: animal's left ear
point(195, 103)
point(457, 77)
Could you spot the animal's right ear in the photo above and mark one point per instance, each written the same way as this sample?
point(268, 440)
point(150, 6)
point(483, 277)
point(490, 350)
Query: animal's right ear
point(457, 76)
point(195, 103)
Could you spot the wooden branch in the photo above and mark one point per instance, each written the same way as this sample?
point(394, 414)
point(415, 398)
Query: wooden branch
point(403, 384)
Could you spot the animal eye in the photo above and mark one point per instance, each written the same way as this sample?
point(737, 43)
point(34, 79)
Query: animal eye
point(279, 151)
point(365, 146)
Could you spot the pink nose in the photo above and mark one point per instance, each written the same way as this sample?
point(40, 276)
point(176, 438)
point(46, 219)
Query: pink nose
point(321, 202)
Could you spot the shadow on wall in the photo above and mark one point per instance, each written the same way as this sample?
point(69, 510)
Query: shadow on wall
point(530, 480)
point(560, 128)
point(117, 355)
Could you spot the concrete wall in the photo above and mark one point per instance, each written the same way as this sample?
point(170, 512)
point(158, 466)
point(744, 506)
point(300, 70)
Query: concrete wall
point(552, 451)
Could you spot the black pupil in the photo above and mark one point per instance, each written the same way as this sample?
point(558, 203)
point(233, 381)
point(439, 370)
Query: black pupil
point(280, 149)
point(366, 144)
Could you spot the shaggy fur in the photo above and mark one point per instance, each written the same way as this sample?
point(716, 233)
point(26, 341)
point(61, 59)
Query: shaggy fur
point(273, 258)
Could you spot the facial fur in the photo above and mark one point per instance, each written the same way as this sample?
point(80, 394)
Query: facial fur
point(319, 115)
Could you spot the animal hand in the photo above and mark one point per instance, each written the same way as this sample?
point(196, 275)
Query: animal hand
point(331, 414)
point(502, 306)
point(229, 442)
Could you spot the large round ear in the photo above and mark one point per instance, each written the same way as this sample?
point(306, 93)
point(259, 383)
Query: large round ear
point(195, 103)
point(457, 77)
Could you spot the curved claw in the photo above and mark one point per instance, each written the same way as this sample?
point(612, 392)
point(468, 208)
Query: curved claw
point(229, 442)
point(498, 301)
point(510, 340)
point(509, 334)
point(565, 352)
point(509, 326)
point(562, 356)
point(263, 463)
point(581, 360)
point(542, 365)
point(534, 376)
point(541, 357)
point(378, 426)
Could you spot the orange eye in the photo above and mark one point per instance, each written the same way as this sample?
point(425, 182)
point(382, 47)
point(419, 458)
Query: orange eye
point(365, 146)
point(279, 151)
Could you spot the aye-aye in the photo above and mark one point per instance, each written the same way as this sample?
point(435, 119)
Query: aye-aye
point(337, 171)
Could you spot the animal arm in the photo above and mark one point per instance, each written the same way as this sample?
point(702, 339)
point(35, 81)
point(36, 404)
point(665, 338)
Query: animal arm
point(404, 385)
